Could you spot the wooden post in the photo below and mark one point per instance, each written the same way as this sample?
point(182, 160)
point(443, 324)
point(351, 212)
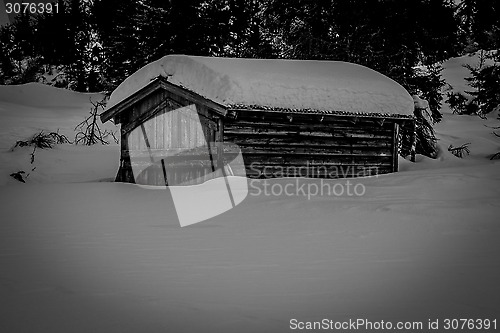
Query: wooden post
point(395, 146)
point(219, 137)
point(220, 158)
point(120, 176)
point(413, 141)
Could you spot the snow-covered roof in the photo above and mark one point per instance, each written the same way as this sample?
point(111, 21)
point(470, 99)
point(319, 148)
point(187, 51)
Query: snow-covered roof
point(276, 83)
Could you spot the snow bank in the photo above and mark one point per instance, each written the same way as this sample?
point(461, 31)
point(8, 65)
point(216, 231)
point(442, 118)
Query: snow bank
point(290, 84)
point(29, 108)
point(41, 95)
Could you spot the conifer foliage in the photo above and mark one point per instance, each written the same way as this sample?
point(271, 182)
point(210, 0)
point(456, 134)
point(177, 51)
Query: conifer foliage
point(92, 45)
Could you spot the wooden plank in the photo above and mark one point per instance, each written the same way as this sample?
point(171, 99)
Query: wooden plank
point(306, 135)
point(150, 126)
point(168, 130)
point(314, 172)
point(200, 136)
point(200, 117)
point(315, 159)
point(174, 128)
point(280, 127)
point(185, 121)
point(291, 142)
point(326, 123)
point(284, 162)
point(326, 160)
point(144, 116)
point(160, 130)
point(294, 126)
point(305, 166)
point(308, 151)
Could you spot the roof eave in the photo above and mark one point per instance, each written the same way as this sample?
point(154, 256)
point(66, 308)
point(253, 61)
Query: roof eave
point(127, 102)
point(235, 109)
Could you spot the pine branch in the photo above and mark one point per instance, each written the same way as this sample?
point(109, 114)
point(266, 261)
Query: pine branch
point(459, 151)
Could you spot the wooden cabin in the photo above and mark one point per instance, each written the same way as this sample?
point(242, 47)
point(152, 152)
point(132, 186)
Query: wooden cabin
point(180, 115)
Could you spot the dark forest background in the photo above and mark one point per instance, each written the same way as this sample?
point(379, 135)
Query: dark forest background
point(93, 45)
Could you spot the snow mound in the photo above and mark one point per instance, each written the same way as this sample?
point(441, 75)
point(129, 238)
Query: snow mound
point(276, 83)
point(41, 95)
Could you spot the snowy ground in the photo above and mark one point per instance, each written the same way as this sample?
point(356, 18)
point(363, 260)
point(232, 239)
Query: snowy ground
point(79, 253)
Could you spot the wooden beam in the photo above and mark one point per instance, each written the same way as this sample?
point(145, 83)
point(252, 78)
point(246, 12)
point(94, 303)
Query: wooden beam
point(316, 127)
point(193, 97)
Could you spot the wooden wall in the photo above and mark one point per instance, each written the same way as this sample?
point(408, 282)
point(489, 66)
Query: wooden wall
point(166, 125)
point(280, 144)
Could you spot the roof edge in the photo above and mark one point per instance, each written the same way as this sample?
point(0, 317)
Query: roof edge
point(239, 107)
point(124, 104)
point(157, 83)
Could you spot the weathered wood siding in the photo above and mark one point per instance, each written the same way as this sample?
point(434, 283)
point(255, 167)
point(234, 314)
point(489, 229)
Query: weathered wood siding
point(279, 144)
point(166, 125)
point(164, 135)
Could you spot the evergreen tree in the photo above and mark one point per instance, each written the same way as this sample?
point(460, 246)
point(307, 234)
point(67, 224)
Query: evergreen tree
point(7, 50)
point(118, 27)
point(428, 83)
point(52, 37)
point(485, 79)
point(19, 62)
point(480, 24)
point(391, 36)
point(236, 28)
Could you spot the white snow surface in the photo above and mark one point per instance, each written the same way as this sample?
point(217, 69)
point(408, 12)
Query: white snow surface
point(455, 72)
point(79, 253)
point(289, 84)
point(28, 108)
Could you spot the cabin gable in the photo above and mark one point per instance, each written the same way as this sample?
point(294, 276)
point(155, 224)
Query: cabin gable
point(160, 124)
